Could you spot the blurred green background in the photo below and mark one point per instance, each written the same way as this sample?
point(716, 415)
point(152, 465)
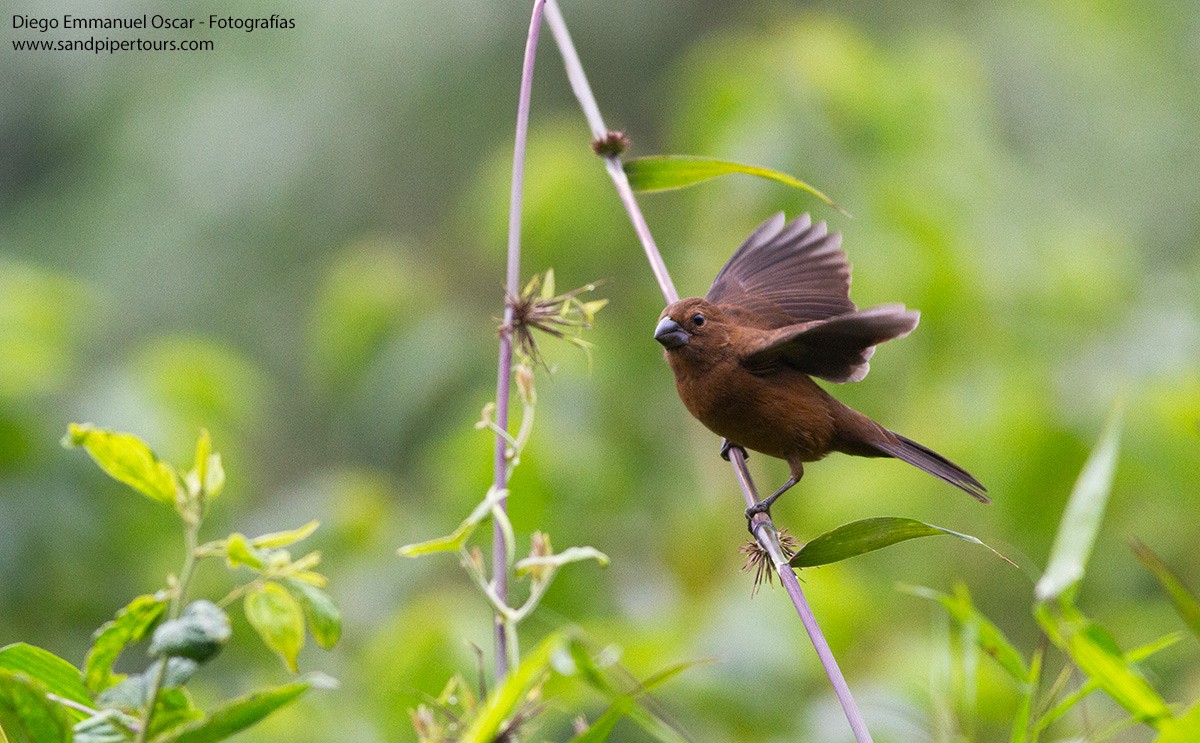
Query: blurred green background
point(296, 240)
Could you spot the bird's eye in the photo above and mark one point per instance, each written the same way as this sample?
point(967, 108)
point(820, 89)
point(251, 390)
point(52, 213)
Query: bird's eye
point(697, 319)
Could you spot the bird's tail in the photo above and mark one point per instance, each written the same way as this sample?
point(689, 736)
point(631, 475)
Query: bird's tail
point(935, 464)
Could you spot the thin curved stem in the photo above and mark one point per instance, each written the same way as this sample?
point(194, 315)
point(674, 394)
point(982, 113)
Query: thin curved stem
point(764, 530)
point(503, 635)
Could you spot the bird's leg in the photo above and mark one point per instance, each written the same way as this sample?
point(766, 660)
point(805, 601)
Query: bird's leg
point(726, 445)
point(764, 505)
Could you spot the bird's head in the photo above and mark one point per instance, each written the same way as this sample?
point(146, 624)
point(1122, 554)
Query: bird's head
point(691, 327)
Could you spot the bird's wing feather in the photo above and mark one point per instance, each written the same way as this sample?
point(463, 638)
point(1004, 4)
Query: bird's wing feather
point(836, 349)
point(786, 274)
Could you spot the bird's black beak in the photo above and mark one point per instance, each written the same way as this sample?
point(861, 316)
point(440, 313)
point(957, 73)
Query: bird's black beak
point(670, 334)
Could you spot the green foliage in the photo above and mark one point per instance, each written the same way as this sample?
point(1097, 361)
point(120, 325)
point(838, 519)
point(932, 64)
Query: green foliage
point(238, 714)
point(458, 714)
point(57, 675)
point(278, 619)
point(127, 459)
point(868, 535)
point(1186, 604)
point(668, 172)
point(129, 626)
point(1081, 521)
point(1088, 648)
point(324, 617)
point(26, 715)
point(41, 694)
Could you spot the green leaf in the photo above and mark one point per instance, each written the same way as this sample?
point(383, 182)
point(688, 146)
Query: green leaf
point(988, 637)
point(214, 479)
point(199, 633)
point(239, 552)
point(623, 704)
point(174, 709)
point(57, 675)
point(868, 535)
point(324, 618)
point(1093, 650)
point(1186, 603)
point(238, 714)
point(207, 474)
point(129, 626)
point(1182, 729)
point(1081, 520)
point(455, 541)
point(26, 715)
point(507, 698)
point(278, 619)
point(668, 172)
point(569, 555)
point(127, 459)
point(285, 538)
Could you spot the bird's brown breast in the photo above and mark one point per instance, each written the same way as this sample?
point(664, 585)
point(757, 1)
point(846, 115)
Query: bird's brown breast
point(781, 413)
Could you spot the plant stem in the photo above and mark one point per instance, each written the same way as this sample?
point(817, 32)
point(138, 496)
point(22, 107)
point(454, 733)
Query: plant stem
point(503, 634)
point(764, 530)
point(190, 539)
point(612, 163)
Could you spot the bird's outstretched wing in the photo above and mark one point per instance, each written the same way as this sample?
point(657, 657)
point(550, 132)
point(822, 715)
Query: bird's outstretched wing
point(838, 348)
point(786, 274)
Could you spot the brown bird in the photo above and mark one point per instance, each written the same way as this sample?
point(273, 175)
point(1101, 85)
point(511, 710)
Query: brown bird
point(778, 314)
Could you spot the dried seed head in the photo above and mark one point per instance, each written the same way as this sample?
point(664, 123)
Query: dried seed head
point(611, 144)
point(758, 560)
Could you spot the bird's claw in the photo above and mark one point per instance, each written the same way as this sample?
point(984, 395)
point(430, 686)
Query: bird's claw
point(726, 445)
point(763, 506)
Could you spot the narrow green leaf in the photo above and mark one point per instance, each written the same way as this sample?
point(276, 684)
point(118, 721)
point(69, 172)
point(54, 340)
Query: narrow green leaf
point(1182, 729)
point(569, 555)
point(1081, 520)
point(57, 675)
point(1186, 603)
point(454, 541)
point(129, 626)
point(668, 172)
point(285, 538)
point(278, 619)
point(1024, 715)
point(174, 710)
point(988, 637)
point(623, 704)
point(507, 698)
point(600, 730)
point(199, 633)
point(125, 458)
point(238, 552)
point(1093, 650)
point(26, 715)
point(214, 478)
point(236, 715)
point(324, 618)
point(868, 535)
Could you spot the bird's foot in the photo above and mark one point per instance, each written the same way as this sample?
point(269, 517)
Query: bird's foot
point(763, 506)
point(726, 445)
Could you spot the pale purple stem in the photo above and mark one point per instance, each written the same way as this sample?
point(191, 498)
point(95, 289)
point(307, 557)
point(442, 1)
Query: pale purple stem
point(591, 111)
point(511, 288)
point(764, 530)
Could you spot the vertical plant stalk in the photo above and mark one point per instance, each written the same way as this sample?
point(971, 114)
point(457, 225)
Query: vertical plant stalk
point(500, 555)
point(190, 539)
point(764, 530)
